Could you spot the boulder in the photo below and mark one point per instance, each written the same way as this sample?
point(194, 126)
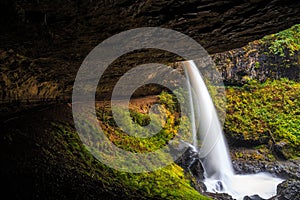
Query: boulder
point(288, 190)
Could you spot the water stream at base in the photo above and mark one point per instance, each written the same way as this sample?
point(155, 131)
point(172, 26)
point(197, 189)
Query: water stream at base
point(219, 173)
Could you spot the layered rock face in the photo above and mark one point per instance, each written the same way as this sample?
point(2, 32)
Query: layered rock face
point(75, 27)
point(255, 61)
point(25, 78)
point(57, 35)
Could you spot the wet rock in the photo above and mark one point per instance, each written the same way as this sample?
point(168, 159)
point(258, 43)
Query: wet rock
point(253, 197)
point(219, 196)
point(288, 190)
point(190, 162)
point(281, 149)
point(283, 169)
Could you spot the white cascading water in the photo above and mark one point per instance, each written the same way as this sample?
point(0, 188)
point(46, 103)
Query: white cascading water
point(219, 174)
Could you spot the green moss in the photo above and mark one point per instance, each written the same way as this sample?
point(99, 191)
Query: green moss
point(284, 42)
point(168, 182)
point(169, 101)
point(257, 65)
point(261, 113)
point(134, 143)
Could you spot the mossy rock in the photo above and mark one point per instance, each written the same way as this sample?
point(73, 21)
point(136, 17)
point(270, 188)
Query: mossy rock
point(265, 113)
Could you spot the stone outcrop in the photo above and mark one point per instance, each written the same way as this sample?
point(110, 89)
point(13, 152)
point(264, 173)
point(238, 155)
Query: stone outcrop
point(288, 190)
point(62, 33)
point(190, 162)
point(73, 28)
point(255, 61)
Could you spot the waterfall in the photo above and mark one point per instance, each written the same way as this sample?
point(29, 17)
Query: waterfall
point(213, 150)
point(211, 145)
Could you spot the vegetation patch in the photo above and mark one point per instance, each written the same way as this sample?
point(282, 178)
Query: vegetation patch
point(169, 182)
point(267, 113)
point(284, 43)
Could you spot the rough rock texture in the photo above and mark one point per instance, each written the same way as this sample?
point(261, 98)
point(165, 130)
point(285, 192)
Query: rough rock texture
point(74, 27)
point(190, 162)
point(219, 196)
point(285, 169)
point(288, 190)
point(64, 32)
point(254, 61)
point(253, 197)
point(35, 166)
point(25, 78)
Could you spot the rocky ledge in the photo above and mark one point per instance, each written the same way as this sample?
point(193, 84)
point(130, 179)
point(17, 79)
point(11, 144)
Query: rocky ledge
point(57, 35)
